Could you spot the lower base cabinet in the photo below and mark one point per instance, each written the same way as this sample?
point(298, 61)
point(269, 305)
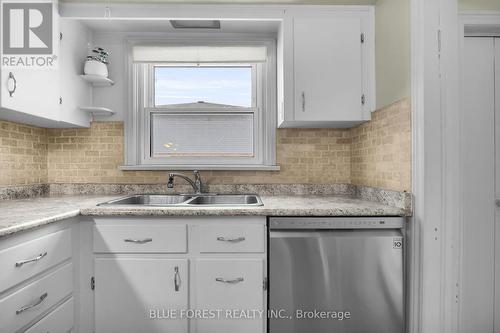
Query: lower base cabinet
point(180, 275)
point(234, 287)
point(37, 280)
point(58, 321)
point(136, 294)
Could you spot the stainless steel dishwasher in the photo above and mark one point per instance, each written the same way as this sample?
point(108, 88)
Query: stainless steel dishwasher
point(336, 275)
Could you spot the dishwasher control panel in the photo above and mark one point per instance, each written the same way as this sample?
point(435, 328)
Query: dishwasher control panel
point(336, 222)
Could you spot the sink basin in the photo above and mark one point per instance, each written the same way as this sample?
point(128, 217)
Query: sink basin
point(150, 200)
point(226, 200)
point(176, 200)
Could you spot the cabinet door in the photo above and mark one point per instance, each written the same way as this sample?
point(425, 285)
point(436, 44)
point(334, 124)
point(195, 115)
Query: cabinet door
point(230, 285)
point(75, 92)
point(36, 94)
point(128, 289)
point(327, 68)
point(37, 91)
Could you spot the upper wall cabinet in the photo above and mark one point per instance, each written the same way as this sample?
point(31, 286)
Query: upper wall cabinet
point(49, 97)
point(327, 67)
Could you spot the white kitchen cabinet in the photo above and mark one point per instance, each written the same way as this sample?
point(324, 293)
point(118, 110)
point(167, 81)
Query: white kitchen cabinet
point(158, 238)
point(19, 263)
point(23, 306)
point(235, 287)
point(36, 94)
point(59, 320)
point(327, 67)
point(37, 283)
point(50, 97)
point(179, 263)
point(127, 289)
point(237, 238)
point(74, 91)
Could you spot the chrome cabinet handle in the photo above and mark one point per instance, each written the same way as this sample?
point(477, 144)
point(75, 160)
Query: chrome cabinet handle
point(231, 281)
point(177, 278)
point(138, 241)
point(231, 240)
point(37, 302)
point(11, 87)
point(40, 256)
point(303, 101)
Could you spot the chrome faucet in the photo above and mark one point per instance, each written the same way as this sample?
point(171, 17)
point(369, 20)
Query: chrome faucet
point(197, 184)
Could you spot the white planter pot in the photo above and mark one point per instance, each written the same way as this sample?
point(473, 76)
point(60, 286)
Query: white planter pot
point(93, 67)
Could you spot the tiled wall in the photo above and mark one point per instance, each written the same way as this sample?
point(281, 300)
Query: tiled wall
point(23, 154)
point(375, 154)
point(381, 149)
point(94, 155)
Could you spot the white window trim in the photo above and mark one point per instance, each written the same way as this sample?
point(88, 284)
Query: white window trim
point(137, 139)
point(256, 109)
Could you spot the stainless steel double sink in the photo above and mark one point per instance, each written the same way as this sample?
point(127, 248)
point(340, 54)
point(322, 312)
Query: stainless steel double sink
point(186, 200)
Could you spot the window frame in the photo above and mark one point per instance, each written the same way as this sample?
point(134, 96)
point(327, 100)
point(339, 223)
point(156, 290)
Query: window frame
point(138, 122)
point(150, 109)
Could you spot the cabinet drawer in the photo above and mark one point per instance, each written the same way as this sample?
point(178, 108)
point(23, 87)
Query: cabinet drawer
point(25, 260)
point(232, 238)
point(58, 321)
point(137, 239)
point(227, 285)
point(21, 307)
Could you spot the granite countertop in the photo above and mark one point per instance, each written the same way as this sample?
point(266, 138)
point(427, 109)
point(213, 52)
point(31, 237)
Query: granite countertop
point(19, 215)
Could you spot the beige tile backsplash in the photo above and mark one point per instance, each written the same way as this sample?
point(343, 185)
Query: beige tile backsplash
point(381, 149)
point(23, 154)
point(376, 153)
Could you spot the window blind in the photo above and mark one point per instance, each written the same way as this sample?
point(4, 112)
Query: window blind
point(199, 54)
point(202, 135)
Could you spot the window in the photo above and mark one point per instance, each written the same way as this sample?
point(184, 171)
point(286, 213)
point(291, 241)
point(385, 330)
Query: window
point(227, 86)
point(203, 107)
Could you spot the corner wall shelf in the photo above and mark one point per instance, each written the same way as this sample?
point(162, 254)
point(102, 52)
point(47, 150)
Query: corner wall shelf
point(98, 81)
point(97, 111)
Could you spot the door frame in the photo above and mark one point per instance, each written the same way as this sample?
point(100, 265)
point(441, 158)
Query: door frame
point(434, 236)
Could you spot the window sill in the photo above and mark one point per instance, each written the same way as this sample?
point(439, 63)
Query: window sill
point(200, 167)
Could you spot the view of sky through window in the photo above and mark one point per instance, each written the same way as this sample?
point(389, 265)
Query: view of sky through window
point(216, 85)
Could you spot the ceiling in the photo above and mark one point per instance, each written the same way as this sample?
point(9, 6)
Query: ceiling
point(227, 26)
point(322, 2)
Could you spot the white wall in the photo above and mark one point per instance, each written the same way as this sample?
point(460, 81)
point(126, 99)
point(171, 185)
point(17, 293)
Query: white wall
point(114, 97)
point(392, 49)
point(479, 4)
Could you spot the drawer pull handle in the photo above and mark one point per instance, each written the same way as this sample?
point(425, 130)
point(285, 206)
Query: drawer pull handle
point(138, 241)
point(177, 278)
point(231, 240)
point(230, 281)
point(37, 302)
point(40, 256)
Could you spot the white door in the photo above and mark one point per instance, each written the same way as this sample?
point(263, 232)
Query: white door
point(478, 187)
point(497, 185)
point(327, 68)
point(234, 286)
point(137, 294)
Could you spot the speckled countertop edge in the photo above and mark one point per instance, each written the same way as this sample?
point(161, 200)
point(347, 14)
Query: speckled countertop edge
point(26, 214)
